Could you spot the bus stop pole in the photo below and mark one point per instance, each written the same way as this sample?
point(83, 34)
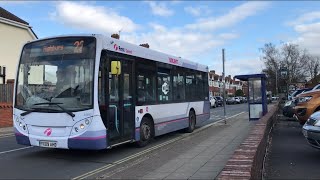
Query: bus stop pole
point(224, 89)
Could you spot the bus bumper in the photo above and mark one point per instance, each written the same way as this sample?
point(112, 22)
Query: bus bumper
point(83, 141)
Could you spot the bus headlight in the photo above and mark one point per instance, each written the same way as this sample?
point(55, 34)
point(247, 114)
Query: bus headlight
point(81, 126)
point(21, 125)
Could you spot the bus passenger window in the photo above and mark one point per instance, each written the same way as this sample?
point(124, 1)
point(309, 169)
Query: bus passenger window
point(164, 85)
point(178, 87)
point(146, 88)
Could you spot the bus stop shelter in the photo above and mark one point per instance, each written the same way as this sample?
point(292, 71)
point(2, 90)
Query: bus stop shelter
point(257, 97)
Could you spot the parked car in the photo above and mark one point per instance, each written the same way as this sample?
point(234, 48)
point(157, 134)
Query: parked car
point(237, 99)
point(245, 100)
point(306, 104)
point(241, 99)
point(287, 109)
point(316, 87)
point(231, 100)
point(213, 102)
point(219, 100)
point(311, 130)
point(299, 91)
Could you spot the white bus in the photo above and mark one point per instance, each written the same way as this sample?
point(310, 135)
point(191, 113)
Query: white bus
point(96, 92)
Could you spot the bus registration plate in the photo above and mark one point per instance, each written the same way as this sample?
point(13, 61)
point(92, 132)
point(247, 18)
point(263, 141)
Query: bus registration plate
point(50, 144)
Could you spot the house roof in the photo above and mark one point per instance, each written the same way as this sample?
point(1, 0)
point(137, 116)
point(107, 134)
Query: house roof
point(7, 15)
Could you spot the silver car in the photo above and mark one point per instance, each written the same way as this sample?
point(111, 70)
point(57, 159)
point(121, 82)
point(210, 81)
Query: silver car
point(311, 130)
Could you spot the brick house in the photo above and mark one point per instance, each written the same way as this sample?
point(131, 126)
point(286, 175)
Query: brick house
point(216, 85)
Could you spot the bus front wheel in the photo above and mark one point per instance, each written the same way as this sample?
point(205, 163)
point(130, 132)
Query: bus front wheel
point(146, 132)
point(192, 122)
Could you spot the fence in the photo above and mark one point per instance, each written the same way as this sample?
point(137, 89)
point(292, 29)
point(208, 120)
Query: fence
point(6, 93)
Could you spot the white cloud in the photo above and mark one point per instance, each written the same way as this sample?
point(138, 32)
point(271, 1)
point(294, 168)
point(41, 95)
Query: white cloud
point(179, 41)
point(197, 11)
point(175, 41)
point(305, 28)
point(308, 28)
point(160, 8)
point(234, 16)
point(238, 66)
point(306, 18)
point(91, 17)
point(228, 36)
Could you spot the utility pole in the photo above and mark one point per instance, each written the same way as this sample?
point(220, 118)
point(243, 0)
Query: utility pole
point(224, 88)
point(277, 81)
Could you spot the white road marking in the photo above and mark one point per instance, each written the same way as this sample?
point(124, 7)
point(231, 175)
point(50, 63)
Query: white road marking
point(13, 150)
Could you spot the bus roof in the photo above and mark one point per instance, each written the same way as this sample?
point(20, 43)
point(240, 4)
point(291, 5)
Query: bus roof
point(123, 47)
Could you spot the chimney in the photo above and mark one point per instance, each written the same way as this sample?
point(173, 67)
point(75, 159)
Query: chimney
point(116, 36)
point(146, 45)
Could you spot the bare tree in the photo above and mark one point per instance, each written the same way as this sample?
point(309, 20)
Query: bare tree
point(294, 61)
point(271, 59)
point(313, 68)
point(289, 58)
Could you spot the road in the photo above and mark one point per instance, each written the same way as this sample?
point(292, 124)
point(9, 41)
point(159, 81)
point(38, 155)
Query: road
point(290, 156)
point(21, 162)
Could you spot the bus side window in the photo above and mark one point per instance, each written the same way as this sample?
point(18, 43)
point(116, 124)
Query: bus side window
point(178, 86)
point(146, 88)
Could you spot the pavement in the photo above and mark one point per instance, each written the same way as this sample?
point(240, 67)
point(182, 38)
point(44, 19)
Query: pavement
point(200, 156)
point(290, 156)
point(6, 130)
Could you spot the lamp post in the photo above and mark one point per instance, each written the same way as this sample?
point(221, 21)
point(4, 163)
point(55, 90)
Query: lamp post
point(224, 88)
point(284, 75)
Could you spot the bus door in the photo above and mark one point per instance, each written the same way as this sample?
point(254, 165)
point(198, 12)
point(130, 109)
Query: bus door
point(120, 121)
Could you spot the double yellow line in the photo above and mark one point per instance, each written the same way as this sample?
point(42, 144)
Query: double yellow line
point(108, 166)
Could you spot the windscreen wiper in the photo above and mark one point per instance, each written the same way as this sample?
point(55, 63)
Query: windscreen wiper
point(57, 104)
point(36, 110)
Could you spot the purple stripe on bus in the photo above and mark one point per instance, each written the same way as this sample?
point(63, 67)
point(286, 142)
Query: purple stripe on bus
point(90, 138)
point(175, 120)
point(18, 134)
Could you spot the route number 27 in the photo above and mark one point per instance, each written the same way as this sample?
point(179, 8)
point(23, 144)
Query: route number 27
point(78, 46)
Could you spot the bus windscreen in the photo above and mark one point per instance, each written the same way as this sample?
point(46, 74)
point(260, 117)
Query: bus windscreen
point(58, 70)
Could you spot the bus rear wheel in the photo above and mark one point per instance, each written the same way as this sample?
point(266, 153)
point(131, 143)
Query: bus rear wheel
point(146, 132)
point(192, 122)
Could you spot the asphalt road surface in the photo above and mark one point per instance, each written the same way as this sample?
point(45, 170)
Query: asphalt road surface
point(290, 156)
point(24, 162)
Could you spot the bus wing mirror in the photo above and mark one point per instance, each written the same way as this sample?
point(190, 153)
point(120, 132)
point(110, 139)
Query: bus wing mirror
point(115, 67)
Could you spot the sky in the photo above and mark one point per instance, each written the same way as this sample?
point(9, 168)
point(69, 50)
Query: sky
point(194, 30)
